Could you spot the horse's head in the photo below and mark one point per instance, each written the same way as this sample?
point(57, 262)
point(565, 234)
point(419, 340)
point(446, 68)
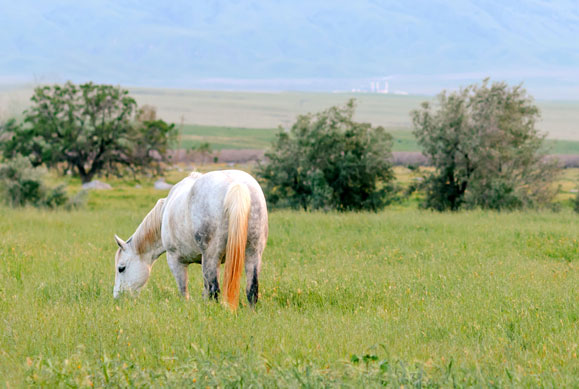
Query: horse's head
point(131, 271)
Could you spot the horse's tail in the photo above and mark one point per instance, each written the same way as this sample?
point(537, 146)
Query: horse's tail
point(237, 204)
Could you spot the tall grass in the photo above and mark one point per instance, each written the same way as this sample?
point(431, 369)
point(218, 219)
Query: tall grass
point(401, 297)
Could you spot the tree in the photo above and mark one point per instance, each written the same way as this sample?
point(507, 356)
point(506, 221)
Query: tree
point(89, 129)
point(485, 147)
point(150, 140)
point(329, 161)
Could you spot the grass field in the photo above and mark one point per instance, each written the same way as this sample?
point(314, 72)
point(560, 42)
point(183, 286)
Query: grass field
point(226, 137)
point(560, 119)
point(257, 138)
point(401, 297)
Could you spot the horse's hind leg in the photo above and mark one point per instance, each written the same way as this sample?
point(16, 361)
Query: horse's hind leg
point(210, 264)
point(252, 266)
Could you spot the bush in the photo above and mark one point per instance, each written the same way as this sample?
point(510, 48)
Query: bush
point(486, 149)
point(576, 203)
point(21, 184)
point(329, 161)
point(204, 151)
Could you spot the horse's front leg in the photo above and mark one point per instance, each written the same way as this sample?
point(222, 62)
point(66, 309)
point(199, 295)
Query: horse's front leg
point(179, 270)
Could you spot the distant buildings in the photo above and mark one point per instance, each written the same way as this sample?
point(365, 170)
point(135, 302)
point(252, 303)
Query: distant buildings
point(380, 86)
point(376, 86)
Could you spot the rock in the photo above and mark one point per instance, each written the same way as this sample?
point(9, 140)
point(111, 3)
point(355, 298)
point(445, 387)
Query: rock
point(96, 185)
point(162, 185)
point(138, 186)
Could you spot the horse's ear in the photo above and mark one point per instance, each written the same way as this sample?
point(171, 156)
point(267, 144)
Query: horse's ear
point(122, 244)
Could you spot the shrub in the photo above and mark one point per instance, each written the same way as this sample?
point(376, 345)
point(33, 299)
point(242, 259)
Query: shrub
point(21, 184)
point(486, 149)
point(329, 161)
point(204, 151)
point(576, 203)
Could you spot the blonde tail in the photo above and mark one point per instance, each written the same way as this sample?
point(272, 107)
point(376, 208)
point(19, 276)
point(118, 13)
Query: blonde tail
point(237, 204)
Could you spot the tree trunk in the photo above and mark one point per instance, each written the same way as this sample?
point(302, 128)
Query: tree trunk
point(85, 176)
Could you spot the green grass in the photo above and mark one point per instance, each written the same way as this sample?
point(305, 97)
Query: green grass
point(403, 140)
point(226, 137)
point(402, 297)
point(258, 138)
point(562, 146)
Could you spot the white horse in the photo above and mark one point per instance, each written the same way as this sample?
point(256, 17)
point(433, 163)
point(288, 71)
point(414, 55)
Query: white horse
point(206, 218)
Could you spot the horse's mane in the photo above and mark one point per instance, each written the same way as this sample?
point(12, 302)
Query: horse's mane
point(149, 231)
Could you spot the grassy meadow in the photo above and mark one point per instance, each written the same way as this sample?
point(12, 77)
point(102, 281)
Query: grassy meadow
point(400, 297)
point(560, 119)
point(223, 137)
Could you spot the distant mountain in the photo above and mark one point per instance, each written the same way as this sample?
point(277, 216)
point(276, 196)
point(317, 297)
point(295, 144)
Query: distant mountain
point(420, 46)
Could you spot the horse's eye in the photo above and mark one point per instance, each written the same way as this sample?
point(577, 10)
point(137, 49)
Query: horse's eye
point(122, 269)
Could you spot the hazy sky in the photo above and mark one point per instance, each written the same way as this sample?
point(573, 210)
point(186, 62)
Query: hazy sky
point(419, 46)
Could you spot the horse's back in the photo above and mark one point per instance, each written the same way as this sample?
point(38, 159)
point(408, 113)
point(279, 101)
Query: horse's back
point(209, 192)
point(199, 202)
point(223, 179)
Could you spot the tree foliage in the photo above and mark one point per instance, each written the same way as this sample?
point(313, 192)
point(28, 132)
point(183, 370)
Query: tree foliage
point(89, 129)
point(329, 161)
point(486, 149)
